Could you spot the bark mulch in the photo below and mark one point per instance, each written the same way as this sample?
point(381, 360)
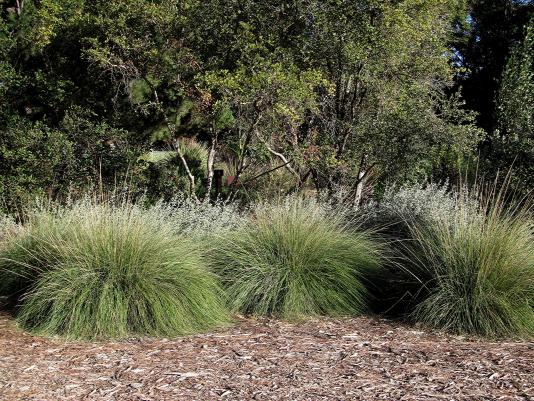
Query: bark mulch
point(325, 359)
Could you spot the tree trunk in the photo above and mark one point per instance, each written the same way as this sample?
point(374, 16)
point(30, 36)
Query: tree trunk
point(362, 172)
point(241, 163)
point(211, 161)
point(359, 188)
point(19, 4)
point(187, 170)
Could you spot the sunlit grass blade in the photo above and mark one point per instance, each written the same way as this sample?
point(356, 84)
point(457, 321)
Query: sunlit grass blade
point(295, 259)
point(476, 266)
point(104, 271)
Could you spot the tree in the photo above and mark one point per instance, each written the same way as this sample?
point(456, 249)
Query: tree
point(515, 133)
point(487, 63)
point(483, 41)
point(333, 93)
point(52, 139)
point(380, 76)
point(386, 64)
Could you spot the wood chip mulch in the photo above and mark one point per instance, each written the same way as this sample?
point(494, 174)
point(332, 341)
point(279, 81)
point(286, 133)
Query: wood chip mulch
point(325, 359)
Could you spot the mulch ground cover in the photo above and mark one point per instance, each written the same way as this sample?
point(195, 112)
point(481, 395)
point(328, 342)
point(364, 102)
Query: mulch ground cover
point(325, 359)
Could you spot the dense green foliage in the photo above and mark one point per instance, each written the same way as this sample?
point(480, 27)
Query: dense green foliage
point(492, 68)
point(334, 93)
point(483, 43)
point(296, 259)
point(102, 271)
point(515, 134)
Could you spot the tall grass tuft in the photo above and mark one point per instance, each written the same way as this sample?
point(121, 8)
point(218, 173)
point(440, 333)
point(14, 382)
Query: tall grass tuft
point(23, 254)
point(102, 271)
point(475, 268)
point(295, 259)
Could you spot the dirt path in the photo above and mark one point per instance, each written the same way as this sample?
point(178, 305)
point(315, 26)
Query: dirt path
point(350, 359)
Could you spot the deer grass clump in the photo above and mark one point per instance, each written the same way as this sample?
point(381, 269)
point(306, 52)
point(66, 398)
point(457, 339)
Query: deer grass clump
point(97, 271)
point(295, 259)
point(474, 268)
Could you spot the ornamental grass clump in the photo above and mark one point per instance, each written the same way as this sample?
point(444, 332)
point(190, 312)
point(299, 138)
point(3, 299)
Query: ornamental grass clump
point(475, 269)
point(295, 259)
point(98, 271)
point(23, 254)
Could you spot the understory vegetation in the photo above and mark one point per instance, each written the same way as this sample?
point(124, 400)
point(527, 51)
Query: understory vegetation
point(167, 164)
point(97, 270)
point(476, 272)
point(105, 271)
point(465, 265)
point(296, 259)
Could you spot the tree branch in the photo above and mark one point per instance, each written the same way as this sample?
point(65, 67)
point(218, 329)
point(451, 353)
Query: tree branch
point(264, 173)
point(211, 160)
point(172, 130)
point(248, 138)
point(280, 156)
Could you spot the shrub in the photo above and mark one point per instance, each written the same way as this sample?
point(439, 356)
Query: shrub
point(8, 226)
point(199, 219)
point(475, 269)
point(295, 259)
point(160, 174)
point(22, 254)
point(398, 206)
point(103, 271)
